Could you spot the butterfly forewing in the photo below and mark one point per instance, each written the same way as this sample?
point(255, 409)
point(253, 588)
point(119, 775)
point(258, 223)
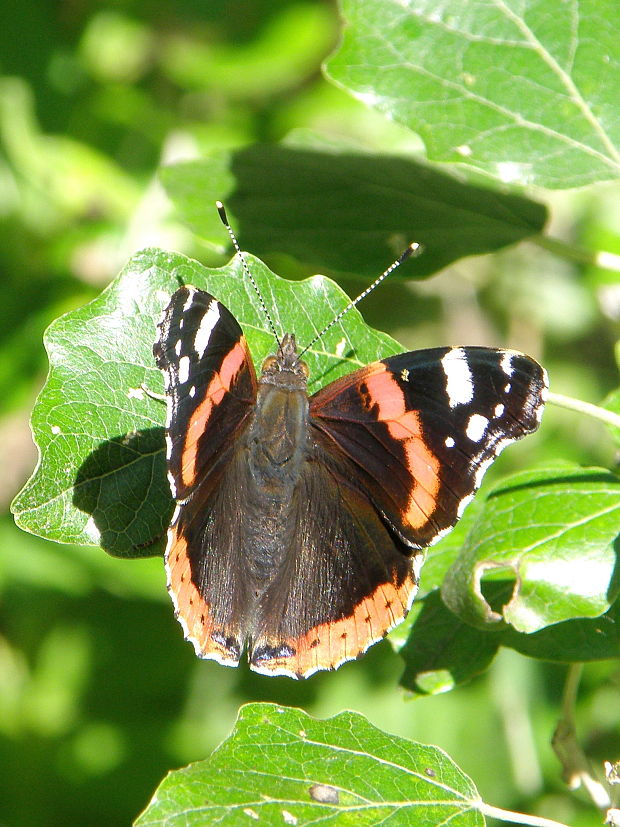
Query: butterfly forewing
point(422, 427)
point(210, 383)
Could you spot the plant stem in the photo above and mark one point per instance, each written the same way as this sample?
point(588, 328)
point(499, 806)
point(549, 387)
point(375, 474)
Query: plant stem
point(601, 258)
point(517, 818)
point(602, 414)
point(576, 767)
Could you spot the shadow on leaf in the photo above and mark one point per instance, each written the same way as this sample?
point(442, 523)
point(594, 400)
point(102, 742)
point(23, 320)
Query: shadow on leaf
point(123, 486)
point(442, 651)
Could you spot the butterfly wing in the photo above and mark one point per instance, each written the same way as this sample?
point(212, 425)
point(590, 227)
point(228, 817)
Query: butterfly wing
point(211, 390)
point(399, 448)
point(347, 579)
point(210, 383)
point(422, 428)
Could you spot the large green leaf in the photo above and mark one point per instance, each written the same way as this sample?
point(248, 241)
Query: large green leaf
point(280, 766)
point(345, 211)
point(552, 533)
point(525, 91)
point(101, 478)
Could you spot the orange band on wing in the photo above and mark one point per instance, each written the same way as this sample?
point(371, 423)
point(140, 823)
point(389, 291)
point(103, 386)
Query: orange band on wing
point(330, 644)
point(191, 609)
point(404, 425)
point(220, 384)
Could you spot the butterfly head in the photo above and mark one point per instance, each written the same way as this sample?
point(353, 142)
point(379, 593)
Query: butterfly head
point(284, 366)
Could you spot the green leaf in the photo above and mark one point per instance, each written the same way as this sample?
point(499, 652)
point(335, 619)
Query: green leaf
point(552, 532)
point(439, 650)
point(524, 91)
point(572, 641)
point(346, 211)
point(442, 651)
point(280, 766)
point(101, 479)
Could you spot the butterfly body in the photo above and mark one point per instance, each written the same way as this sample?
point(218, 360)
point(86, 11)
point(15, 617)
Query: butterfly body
point(301, 520)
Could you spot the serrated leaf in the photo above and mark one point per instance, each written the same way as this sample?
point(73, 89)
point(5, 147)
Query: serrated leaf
point(346, 211)
point(522, 91)
point(280, 766)
point(552, 530)
point(101, 479)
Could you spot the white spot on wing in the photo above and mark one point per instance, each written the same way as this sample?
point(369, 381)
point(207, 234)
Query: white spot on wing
point(184, 365)
point(499, 410)
point(190, 299)
point(207, 323)
point(177, 347)
point(449, 442)
point(459, 382)
point(506, 363)
point(476, 427)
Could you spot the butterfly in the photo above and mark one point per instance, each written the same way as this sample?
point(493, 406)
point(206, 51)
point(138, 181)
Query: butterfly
point(301, 521)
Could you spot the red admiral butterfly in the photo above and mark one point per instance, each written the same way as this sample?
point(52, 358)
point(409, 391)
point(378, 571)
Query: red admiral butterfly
point(300, 521)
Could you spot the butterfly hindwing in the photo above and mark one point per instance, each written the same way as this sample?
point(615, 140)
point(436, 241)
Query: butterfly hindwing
point(348, 579)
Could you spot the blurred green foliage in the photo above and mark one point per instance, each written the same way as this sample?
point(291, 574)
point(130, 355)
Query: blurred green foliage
point(99, 695)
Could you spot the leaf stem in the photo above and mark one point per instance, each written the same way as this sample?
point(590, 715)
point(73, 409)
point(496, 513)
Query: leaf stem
point(517, 818)
point(576, 767)
point(599, 258)
point(602, 414)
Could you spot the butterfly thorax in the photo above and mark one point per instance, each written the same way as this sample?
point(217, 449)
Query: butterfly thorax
point(284, 369)
point(277, 436)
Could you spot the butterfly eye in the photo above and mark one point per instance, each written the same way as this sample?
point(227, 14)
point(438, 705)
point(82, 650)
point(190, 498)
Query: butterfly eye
point(271, 364)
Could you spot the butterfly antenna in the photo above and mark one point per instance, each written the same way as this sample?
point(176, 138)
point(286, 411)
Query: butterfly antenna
point(413, 249)
point(246, 269)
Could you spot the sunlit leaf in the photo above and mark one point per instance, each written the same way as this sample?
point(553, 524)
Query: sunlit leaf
point(523, 91)
point(101, 479)
point(551, 532)
point(280, 766)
